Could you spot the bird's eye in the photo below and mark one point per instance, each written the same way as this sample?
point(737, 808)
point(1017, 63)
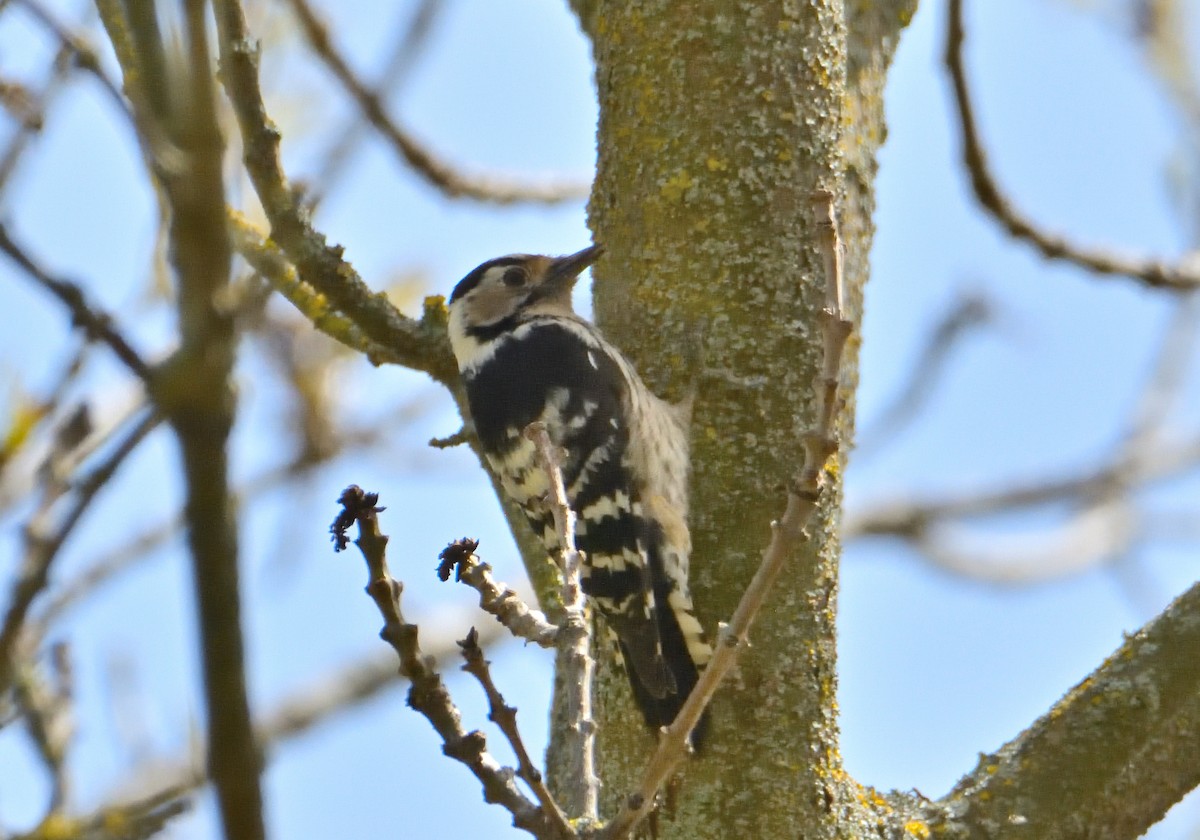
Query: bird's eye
point(515, 276)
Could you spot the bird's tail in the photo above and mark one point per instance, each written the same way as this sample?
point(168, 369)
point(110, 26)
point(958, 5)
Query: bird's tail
point(681, 649)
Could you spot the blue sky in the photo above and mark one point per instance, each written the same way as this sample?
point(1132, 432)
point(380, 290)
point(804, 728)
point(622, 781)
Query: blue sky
point(934, 668)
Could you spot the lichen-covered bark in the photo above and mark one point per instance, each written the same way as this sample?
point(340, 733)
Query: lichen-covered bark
point(717, 122)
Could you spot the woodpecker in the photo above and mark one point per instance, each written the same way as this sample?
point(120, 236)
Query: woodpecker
point(526, 356)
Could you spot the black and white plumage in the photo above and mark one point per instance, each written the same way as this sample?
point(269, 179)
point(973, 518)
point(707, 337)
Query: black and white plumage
point(526, 356)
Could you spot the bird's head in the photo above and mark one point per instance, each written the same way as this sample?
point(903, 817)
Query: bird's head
point(500, 294)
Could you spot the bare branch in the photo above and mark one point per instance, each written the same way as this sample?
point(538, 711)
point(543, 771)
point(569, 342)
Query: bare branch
point(969, 312)
point(85, 56)
point(505, 717)
point(1150, 272)
point(495, 598)
point(138, 820)
point(407, 48)
point(274, 267)
point(126, 555)
point(1168, 376)
point(195, 391)
point(574, 642)
point(913, 515)
point(97, 324)
point(421, 345)
point(1105, 521)
point(43, 696)
point(787, 534)
point(43, 542)
point(436, 172)
point(428, 694)
point(1110, 758)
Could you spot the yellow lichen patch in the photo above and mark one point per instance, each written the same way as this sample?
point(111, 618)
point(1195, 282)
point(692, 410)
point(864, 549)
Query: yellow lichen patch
point(433, 309)
point(115, 822)
point(25, 417)
point(56, 827)
point(677, 185)
point(784, 155)
point(917, 829)
point(716, 164)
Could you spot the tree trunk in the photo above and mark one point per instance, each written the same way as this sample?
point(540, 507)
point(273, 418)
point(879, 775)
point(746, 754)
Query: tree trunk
point(717, 124)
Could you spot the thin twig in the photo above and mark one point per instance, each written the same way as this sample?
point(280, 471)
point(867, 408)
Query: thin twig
point(787, 533)
point(420, 345)
point(43, 543)
point(574, 643)
point(265, 258)
point(428, 694)
point(1168, 376)
point(31, 111)
point(44, 697)
point(505, 718)
point(331, 695)
point(969, 312)
point(138, 820)
point(126, 555)
point(913, 515)
point(1150, 272)
point(85, 56)
point(495, 598)
point(408, 47)
point(436, 172)
point(96, 323)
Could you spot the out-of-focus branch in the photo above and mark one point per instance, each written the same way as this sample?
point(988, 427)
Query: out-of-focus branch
point(44, 539)
point(341, 691)
point(85, 56)
point(969, 312)
point(787, 533)
point(428, 694)
point(43, 696)
point(97, 324)
point(1150, 272)
point(1109, 759)
point(1105, 521)
point(1168, 377)
point(126, 555)
point(434, 171)
point(420, 345)
point(30, 109)
point(138, 820)
point(1099, 533)
point(911, 516)
point(176, 93)
point(408, 46)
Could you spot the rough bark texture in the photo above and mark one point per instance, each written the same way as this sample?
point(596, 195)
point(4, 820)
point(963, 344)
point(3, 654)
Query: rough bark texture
point(717, 123)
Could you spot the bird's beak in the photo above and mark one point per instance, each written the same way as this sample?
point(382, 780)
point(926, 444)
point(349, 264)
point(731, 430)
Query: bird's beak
point(564, 271)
